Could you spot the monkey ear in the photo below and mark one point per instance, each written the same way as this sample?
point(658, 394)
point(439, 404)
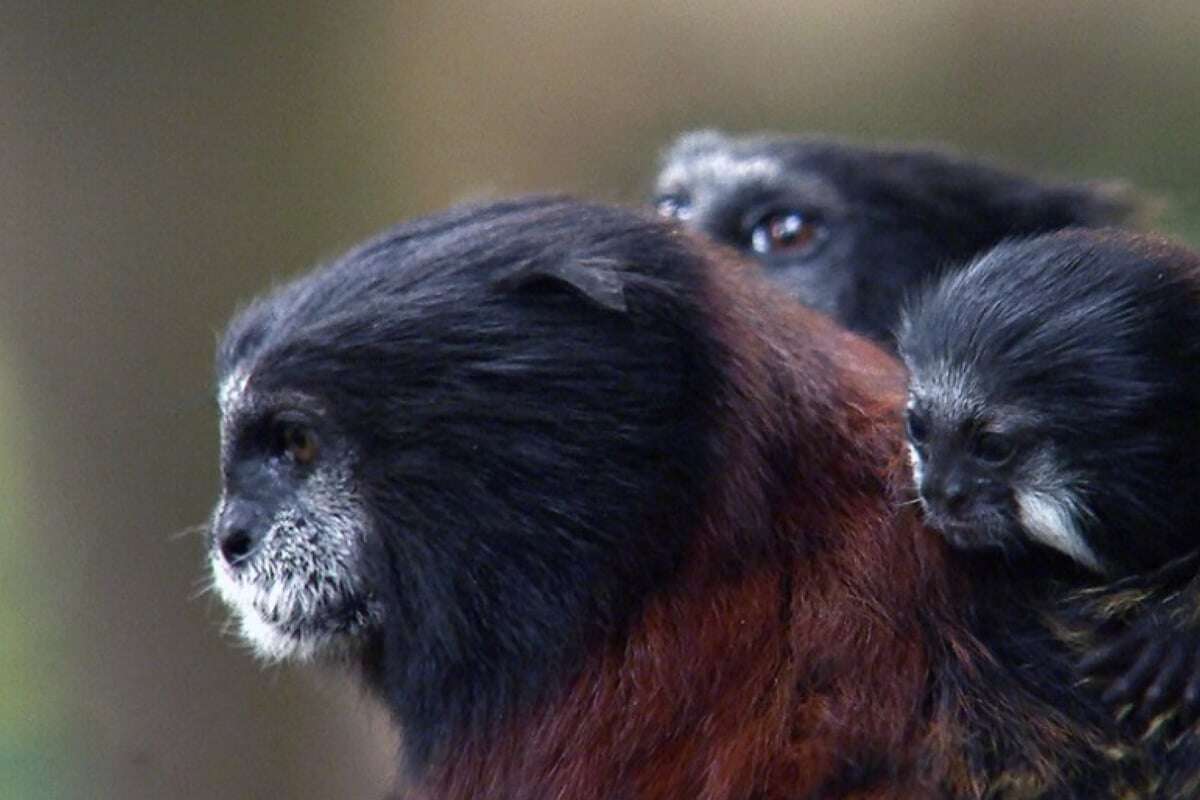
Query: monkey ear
point(597, 280)
point(1105, 202)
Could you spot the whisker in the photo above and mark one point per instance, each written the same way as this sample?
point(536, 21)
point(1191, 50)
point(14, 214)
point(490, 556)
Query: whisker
point(204, 588)
point(189, 530)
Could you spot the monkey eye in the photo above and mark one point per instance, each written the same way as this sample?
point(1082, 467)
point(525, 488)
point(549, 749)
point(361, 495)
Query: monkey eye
point(296, 441)
point(994, 448)
point(673, 206)
point(917, 429)
point(784, 232)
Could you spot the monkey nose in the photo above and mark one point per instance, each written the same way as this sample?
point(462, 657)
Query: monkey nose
point(237, 533)
point(955, 498)
point(948, 497)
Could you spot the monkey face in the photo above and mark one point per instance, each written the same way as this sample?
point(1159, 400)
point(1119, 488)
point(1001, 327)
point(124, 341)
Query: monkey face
point(853, 231)
point(962, 477)
point(752, 196)
point(987, 475)
point(288, 530)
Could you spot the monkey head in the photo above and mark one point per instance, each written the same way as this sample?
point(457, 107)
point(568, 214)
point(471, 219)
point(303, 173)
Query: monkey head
point(441, 453)
point(1052, 398)
point(853, 230)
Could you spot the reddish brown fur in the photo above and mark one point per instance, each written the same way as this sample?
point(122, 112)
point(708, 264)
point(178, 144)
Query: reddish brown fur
point(798, 653)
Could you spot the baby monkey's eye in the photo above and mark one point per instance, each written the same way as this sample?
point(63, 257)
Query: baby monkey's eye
point(916, 428)
point(784, 232)
point(297, 441)
point(994, 448)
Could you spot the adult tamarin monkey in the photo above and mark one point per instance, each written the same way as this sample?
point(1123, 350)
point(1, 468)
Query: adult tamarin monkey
point(1054, 407)
point(853, 230)
point(599, 516)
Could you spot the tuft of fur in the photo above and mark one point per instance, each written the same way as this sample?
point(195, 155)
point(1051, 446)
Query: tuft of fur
point(886, 220)
point(633, 529)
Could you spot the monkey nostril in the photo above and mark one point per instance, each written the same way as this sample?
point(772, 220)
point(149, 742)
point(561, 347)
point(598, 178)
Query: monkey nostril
point(951, 498)
point(236, 546)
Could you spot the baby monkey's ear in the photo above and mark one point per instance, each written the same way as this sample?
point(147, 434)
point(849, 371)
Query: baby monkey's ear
point(597, 280)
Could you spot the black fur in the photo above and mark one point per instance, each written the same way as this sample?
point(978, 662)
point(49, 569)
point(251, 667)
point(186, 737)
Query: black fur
point(1086, 344)
point(538, 404)
point(1093, 341)
point(883, 221)
point(450, 349)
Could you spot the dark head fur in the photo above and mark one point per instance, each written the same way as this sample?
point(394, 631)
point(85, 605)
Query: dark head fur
point(510, 435)
point(601, 515)
point(1055, 397)
point(851, 230)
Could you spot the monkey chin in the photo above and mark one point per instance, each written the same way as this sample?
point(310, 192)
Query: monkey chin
point(992, 530)
point(285, 619)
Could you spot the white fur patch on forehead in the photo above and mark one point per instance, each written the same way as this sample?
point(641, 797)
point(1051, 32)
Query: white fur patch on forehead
point(719, 167)
point(945, 388)
point(233, 389)
point(1053, 520)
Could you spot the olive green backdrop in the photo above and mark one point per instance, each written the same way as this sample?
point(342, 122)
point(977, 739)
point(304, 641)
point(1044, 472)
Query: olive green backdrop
point(160, 162)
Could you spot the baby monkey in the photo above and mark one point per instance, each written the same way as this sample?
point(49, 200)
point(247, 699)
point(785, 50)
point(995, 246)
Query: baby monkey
point(852, 230)
point(1054, 410)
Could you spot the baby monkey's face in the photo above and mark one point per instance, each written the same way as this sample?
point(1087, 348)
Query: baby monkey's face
point(963, 471)
point(988, 474)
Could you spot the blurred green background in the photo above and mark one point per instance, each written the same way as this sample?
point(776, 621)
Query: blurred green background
point(160, 162)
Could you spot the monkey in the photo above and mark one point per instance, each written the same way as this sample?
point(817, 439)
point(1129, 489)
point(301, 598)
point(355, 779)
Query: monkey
point(853, 230)
point(597, 512)
point(856, 231)
point(1053, 420)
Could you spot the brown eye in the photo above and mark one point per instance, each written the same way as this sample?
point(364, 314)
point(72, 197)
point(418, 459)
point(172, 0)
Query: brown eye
point(299, 443)
point(787, 231)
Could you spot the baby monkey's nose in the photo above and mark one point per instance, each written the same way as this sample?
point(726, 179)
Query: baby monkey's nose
point(948, 496)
